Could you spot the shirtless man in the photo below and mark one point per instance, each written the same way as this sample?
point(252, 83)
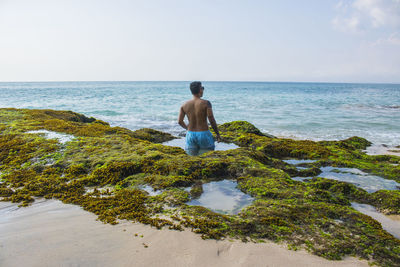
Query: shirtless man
point(198, 137)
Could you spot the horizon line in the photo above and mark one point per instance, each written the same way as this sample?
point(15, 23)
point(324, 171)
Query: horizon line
point(238, 81)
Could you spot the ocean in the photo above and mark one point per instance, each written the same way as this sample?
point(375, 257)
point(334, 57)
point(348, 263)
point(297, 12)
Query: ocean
point(315, 111)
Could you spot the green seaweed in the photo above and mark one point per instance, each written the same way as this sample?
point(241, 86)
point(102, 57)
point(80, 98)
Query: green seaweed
point(103, 168)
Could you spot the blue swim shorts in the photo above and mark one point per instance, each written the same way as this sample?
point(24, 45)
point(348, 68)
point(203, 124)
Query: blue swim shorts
point(199, 142)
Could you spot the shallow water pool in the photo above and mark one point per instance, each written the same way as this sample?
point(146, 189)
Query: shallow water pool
point(180, 142)
point(299, 161)
point(366, 181)
point(150, 190)
point(223, 197)
point(370, 183)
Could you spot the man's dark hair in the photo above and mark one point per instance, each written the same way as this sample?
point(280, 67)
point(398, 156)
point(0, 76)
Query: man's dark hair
point(195, 87)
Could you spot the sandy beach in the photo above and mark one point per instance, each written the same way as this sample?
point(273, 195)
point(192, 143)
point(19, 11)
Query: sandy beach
point(394, 217)
point(50, 233)
point(382, 150)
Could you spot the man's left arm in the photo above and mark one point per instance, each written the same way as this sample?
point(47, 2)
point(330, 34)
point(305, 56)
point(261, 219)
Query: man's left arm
point(181, 117)
point(212, 121)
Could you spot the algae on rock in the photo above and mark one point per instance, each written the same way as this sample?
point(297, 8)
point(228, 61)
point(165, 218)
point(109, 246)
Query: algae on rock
point(103, 168)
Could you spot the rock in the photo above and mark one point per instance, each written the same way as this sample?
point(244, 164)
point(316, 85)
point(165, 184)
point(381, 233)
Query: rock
point(121, 160)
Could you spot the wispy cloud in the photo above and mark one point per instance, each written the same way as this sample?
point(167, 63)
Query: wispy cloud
point(393, 39)
point(351, 24)
point(360, 15)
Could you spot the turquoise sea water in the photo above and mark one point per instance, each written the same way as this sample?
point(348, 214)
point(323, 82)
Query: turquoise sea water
point(317, 111)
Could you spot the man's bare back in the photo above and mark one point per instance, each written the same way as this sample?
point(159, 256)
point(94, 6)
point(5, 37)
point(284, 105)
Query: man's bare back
point(198, 111)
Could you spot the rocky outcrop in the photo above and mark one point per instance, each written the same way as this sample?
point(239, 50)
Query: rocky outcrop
point(104, 168)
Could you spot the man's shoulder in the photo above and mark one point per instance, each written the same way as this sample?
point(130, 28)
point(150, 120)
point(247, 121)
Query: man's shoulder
point(187, 102)
point(187, 105)
point(208, 103)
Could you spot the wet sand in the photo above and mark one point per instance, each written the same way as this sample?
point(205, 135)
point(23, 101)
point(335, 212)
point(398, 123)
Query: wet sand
point(50, 233)
point(390, 223)
point(382, 150)
point(394, 217)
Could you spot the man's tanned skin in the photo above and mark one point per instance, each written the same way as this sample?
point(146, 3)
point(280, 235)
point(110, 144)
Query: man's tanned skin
point(198, 110)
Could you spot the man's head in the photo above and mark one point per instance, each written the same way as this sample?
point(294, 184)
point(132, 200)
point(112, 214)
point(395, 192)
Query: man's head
point(197, 89)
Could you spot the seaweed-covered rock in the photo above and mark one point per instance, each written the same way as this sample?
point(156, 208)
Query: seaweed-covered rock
point(196, 190)
point(153, 135)
point(240, 127)
point(356, 142)
point(103, 169)
point(386, 201)
point(48, 114)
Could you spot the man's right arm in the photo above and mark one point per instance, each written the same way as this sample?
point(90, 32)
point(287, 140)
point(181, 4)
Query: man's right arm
point(181, 117)
point(212, 121)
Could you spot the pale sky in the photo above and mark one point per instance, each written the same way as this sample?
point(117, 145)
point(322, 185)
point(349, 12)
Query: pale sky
point(208, 40)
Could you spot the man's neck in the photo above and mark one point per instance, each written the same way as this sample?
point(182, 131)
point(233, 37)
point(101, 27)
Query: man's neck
point(196, 97)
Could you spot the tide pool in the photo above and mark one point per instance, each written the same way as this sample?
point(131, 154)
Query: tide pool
point(370, 183)
point(180, 142)
point(223, 197)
